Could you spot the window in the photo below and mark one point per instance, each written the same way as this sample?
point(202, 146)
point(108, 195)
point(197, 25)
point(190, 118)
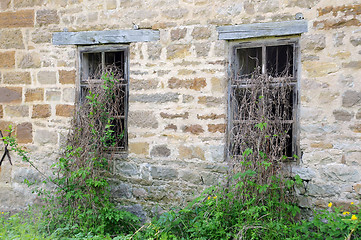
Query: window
point(263, 102)
point(94, 62)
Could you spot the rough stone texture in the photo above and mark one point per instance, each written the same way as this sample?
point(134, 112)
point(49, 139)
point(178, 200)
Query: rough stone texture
point(41, 111)
point(210, 101)
point(24, 132)
point(47, 77)
point(212, 116)
point(314, 42)
point(199, 33)
point(1, 111)
point(22, 18)
point(142, 119)
point(53, 95)
point(64, 110)
point(163, 173)
point(27, 3)
point(7, 59)
point(46, 17)
point(195, 84)
point(338, 38)
point(216, 128)
point(340, 172)
point(191, 152)
point(67, 77)
point(5, 4)
point(43, 137)
point(36, 94)
point(155, 98)
point(11, 38)
point(342, 115)
point(154, 51)
point(177, 115)
point(69, 95)
point(139, 148)
point(160, 151)
point(126, 168)
point(202, 50)
point(352, 64)
point(194, 129)
point(41, 36)
point(356, 128)
point(355, 41)
point(17, 111)
point(136, 84)
point(351, 98)
point(178, 51)
point(303, 3)
point(17, 78)
point(10, 94)
point(177, 34)
point(358, 114)
point(30, 61)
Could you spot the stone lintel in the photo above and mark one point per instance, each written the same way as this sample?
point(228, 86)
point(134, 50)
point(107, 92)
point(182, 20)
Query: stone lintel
point(254, 30)
point(103, 37)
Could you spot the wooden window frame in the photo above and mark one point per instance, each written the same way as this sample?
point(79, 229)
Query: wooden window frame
point(82, 64)
point(233, 69)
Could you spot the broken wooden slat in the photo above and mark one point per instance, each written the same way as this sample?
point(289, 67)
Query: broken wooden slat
point(262, 30)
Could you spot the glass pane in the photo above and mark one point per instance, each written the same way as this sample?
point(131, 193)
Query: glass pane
point(249, 61)
point(279, 60)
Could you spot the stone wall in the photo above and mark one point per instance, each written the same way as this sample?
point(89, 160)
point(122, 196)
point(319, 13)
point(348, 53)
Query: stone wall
point(178, 93)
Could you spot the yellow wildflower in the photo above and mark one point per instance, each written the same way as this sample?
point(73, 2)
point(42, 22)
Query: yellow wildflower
point(330, 204)
point(215, 197)
point(346, 213)
point(353, 217)
point(209, 198)
point(2, 212)
point(351, 203)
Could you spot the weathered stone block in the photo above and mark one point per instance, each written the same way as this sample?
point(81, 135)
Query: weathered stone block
point(210, 101)
point(202, 49)
point(22, 18)
point(211, 116)
point(17, 78)
point(190, 176)
point(27, 3)
point(46, 17)
point(178, 51)
point(177, 13)
point(358, 114)
point(140, 193)
point(314, 42)
point(351, 98)
point(356, 41)
point(154, 51)
point(136, 84)
point(194, 129)
point(10, 94)
point(47, 77)
point(43, 137)
point(356, 128)
point(187, 98)
point(31, 60)
point(126, 168)
point(195, 84)
point(41, 111)
point(121, 190)
point(177, 34)
point(139, 148)
point(5, 4)
point(213, 128)
point(41, 36)
point(160, 151)
point(67, 77)
point(7, 59)
point(1, 111)
point(24, 133)
point(11, 38)
point(171, 127)
point(163, 173)
point(4, 125)
point(338, 38)
point(191, 152)
point(142, 119)
point(199, 33)
point(53, 95)
point(155, 98)
point(36, 94)
point(340, 173)
point(322, 190)
point(64, 110)
point(320, 69)
point(177, 115)
point(17, 111)
point(69, 95)
point(323, 145)
point(302, 3)
point(304, 173)
point(342, 115)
